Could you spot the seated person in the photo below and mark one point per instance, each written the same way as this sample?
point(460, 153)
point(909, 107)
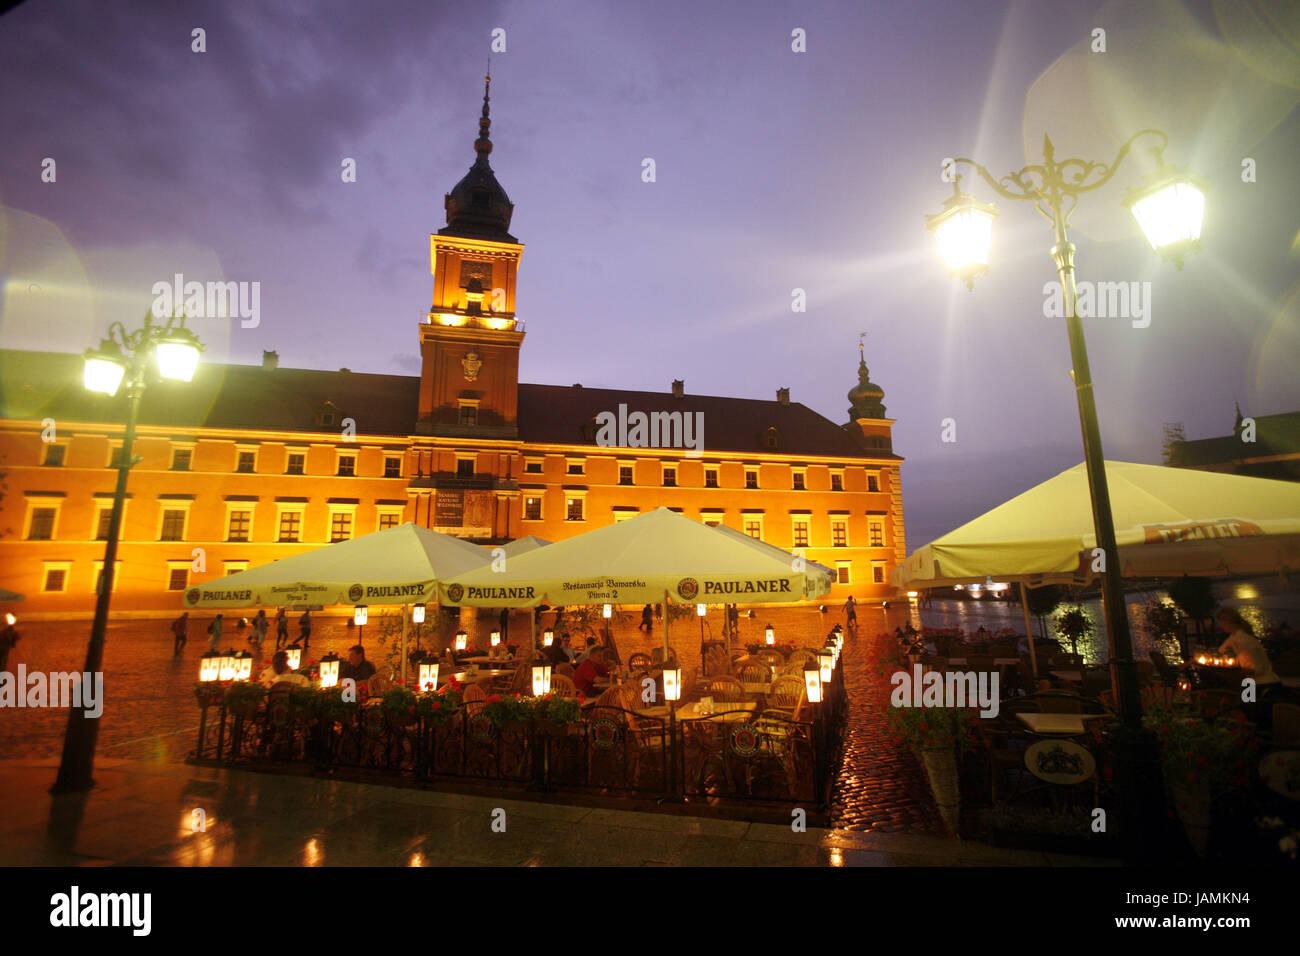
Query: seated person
point(585, 676)
point(279, 672)
point(558, 652)
point(1243, 645)
point(587, 651)
point(357, 667)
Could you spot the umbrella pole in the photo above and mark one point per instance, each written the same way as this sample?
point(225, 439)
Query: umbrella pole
point(405, 620)
point(532, 631)
point(1029, 631)
point(665, 627)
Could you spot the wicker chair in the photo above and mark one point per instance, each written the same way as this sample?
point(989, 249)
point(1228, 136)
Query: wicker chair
point(786, 693)
point(657, 655)
point(772, 658)
point(724, 689)
point(639, 662)
point(716, 663)
point(754, 672)
point(473, 700)
point(801, 657)
point(562, 686)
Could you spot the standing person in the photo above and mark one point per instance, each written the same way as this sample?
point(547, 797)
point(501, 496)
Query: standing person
point(647, 619)
point(304, 628)
point(281, 629)
point(851, 610)
point(8, 638)
point(1243, 645)
point(503, 625)
point(260, 625)
point(214, 633)
point(180, 633)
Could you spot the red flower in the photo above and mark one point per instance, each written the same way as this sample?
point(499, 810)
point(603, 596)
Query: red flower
point(436, 705)
point(494, 699)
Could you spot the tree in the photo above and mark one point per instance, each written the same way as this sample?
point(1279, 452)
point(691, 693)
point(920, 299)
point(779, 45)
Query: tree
point(1195, 598)
point(1042, 602)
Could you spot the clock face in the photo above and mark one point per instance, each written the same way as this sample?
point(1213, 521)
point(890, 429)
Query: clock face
point(469, 269)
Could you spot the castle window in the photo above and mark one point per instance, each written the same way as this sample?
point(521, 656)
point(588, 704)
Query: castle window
point(247, 462)
point(464, 467)
point(297, 462)
point(41, 524)
point(533, 508)
point(178, 575)
point(625, 474)
point(796, 477)
point(670, 477)
point(771, 439)
point(103, 521)
point(754, 526)
point(389, 519)
point(239, 525)
point(573, 508)
point(710, 477)
point(873, 483)
point(54, 456)
point(801, 533)
point(291, 526)
point(876, 533)
point(181, 458)
point(56, 576)
point(577, 466)
point(392, 466)
point(842, 572)
point(878, 572)
point(469, 413)
point(340, 526)
point(839, 533)
point(347, 465)
point(533, 466)
point(751, 477)
point(837, 480)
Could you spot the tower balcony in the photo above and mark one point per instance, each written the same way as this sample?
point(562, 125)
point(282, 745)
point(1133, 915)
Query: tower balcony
point(464, 319)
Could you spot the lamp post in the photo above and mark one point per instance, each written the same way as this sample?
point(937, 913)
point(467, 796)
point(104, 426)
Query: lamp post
point(123, 356)
point(672, 677)
point(1170, 208)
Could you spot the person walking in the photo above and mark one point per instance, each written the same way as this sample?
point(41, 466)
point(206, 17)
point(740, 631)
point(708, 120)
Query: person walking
point(304, 628)
point(260, 624)
point(851, 610)
point(214, 633)
point(180, 633)
point(281, 629)
point(647, 619)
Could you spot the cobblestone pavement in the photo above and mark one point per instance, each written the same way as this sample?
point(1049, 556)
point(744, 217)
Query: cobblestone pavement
point(150, 715)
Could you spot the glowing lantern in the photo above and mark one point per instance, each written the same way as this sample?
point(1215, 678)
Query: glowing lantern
point(360, 614)
point(673, 681)
point(826, 658)
point(428, 676)
point(462, 640)
point(496, 638)
point(548, 637)
point(210, 667)
point(227, 666)
point(769, 634)
point(329, 670)
point(294, 653)
point(417, 613)
point(700, 610)
point(541, 678)
point(1170, 208)
point(964, 232)
point(178, 355)
point(812, 681)
point(243, 665)
point(608, 611)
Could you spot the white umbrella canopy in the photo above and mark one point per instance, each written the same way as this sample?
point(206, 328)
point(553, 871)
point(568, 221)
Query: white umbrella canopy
point(395, 566)
point(1168, 522)
point(772, 549)
point(641, 561)
point(521, 545)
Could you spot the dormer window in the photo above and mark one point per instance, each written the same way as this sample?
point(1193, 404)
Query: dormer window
point(328, 415)
point(771, 439)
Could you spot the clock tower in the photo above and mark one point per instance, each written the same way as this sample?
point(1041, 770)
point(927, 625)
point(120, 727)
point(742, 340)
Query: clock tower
point(470, 339)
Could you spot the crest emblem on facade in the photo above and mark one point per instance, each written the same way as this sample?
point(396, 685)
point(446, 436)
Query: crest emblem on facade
point(471, 363)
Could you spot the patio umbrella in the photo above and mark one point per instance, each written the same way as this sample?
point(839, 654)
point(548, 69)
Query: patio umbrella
point(398, 565)
point(657, 556)
point(1168, 522)
point(522, 545)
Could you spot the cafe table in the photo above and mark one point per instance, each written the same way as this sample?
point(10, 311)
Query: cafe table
point(1067, 724)
point(728, 710)
point(757, 688)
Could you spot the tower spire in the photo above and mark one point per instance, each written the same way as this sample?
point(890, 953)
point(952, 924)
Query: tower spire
point(483, 145)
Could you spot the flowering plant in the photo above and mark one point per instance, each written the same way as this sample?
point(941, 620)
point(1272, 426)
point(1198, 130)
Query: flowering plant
point(931, 728)
point(1073, 625)
point(245, 693)
point(557, 709)
point(1196, 750)
point(503, 710)
point(399, 700)
point(437, 708)
point(329, 702)
point(208, 693)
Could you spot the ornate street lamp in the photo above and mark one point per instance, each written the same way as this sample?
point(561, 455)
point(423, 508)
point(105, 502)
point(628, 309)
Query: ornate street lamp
point(769, 635)
point(548, 637)
point(672, 681)
point(1170, 208)
point(210, 668)
point(173, 351)
point(243, 665)
point(495, 639)
point(462, 640)
point(607, 611)
point(417, 613)
point(812, 681)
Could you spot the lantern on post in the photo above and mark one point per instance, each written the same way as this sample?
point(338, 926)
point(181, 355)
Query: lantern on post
point(826, 665)
point(672, 681)
point(329, 670)
point(243, 665)
point(608, 611)
point(428, 676)
point(541, 678)
point(701, 609)
point(417, 613)
point(769, 635)
point(462, 640)
point(495, 639)
point(812, 681)
point(294, 653)
point(227, 665)
point(548, 637)
point(210, 667)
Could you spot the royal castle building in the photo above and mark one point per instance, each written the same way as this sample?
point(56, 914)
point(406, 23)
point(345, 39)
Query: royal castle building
point(248, 464)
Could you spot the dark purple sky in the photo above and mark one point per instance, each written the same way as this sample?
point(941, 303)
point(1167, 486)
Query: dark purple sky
point(775, 170)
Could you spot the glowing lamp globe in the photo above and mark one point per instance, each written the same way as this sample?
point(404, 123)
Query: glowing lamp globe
point(462, 640)
point(177, 356)
point(964, 233)
point(769, 634)
point(103, 370)
point(548, 637)
point(826, 664)
point(360, 614)
point(294, 653)
point(417, 613)
point(428, 676)
point(329, 670)
point(1170, 208)
point(608, 611)
point(541, 678)
point(673, 681)
point(495, 639)
point(701, 610)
